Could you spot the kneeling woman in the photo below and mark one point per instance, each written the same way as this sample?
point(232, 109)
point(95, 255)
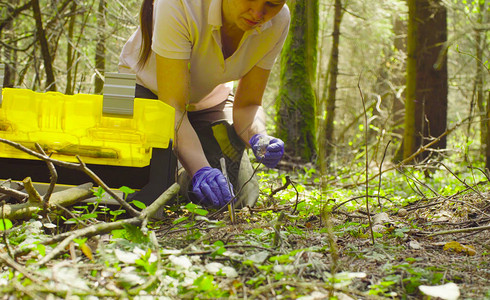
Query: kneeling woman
point(186, 53)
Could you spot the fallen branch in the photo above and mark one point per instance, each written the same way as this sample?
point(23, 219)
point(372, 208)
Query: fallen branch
point(63, 198)
point(34, 196)
point(481, 228)
point(13, 193)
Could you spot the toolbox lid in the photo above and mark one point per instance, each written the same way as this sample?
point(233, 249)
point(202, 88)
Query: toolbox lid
point(70, 125)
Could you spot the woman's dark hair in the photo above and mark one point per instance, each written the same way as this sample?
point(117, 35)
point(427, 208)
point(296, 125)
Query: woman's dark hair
point(146, 25)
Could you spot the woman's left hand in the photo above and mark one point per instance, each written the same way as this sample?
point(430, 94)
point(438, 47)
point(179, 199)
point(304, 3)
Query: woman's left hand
point(267, 149)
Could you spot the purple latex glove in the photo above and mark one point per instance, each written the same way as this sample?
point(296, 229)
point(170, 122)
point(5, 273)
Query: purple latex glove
point(267, 149)
point(211, 187)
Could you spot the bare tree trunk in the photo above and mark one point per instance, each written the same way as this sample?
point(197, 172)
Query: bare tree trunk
point(481, 43)
point(43, 42)
point(327, 136)
point(100, 48)
point(70, 50)
point(409, 135)
point(427, 87)
point(487, 160)
point(9, 76)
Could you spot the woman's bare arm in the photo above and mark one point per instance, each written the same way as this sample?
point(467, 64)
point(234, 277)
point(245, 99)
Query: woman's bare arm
point(173, 88)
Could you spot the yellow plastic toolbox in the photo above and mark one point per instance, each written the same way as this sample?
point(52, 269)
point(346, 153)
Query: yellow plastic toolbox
point(125, 143)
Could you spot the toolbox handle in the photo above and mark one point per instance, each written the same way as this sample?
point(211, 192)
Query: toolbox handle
point(2, 77)
point(119, 94)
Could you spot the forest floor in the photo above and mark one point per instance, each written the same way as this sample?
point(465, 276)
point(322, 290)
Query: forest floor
point(291, 245)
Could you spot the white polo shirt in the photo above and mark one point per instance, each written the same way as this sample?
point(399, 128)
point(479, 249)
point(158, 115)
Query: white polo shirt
point(190, 29)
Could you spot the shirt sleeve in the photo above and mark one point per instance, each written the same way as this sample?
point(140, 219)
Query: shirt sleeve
point(171, 32)
point(283, 23)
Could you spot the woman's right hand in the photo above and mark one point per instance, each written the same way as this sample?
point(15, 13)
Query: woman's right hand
point(211, 187)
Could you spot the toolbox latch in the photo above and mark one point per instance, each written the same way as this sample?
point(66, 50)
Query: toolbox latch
point(2, 77)
point(119, 94)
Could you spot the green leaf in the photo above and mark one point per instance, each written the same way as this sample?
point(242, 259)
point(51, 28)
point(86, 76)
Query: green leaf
point(204, 283)
point(134, 234)
point(191, 206)
point(138, 204)
point(219, 243)
point(99, 192)
point(201, 212)
point(89, 216)
point(180, 220)
point(5, 224)
point(80, 241)
point(118, 233)
point(41, 249)
point(126, 190)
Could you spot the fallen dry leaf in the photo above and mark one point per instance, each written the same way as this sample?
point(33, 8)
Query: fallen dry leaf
point(87, 251)
point(457, 247)
point(448, 291)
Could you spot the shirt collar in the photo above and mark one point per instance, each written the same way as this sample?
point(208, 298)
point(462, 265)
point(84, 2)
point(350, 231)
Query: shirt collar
point(214, 17)
point(214, 14)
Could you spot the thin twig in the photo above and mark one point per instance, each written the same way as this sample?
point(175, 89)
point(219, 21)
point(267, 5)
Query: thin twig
point(71, 214)
point(297, 198)
point(129, 209)
point(380, 173)
point(366, 129)
point(459, 179)
point(13, 193)
point(481, 228)
point(53, 178)
point(354, 199)
point(482, 171)
point(416, 180)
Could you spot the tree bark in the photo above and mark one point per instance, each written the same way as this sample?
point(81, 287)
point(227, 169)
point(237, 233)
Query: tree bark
point(409, 133)
point(327, 128)
point(295, 105)
point(481, 43)
point(487, 160)
point(41, 36)
point(427, 88)
point(70, 50)
point(64, 198)
point(100, 48)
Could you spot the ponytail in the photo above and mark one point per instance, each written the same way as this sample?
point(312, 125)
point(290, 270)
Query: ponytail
point(146, 26)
